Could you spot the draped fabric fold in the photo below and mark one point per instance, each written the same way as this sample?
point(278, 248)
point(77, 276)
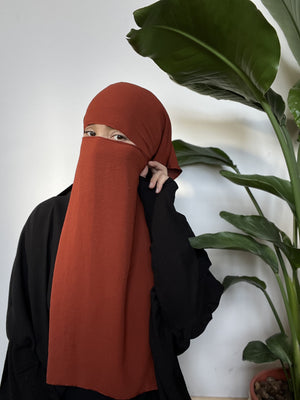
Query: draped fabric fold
point(100, 298)
point(139, 114)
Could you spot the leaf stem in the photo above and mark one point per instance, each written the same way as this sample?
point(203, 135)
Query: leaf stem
point(287, 374)
point(289, 155)
point(298, 157)
point(292, 309)
point(295, 232)
point(274, 312)
point(295, 332)
point(260, 212)
point(296, 283)
point(291, 300)
point(256, 205)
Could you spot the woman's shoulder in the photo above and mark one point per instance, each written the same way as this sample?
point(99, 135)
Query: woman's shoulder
point(50, 208)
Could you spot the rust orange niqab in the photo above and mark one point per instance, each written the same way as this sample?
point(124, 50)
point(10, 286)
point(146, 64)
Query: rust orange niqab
point(100, 298)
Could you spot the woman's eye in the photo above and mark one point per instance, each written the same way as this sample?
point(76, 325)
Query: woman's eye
point(90, 133)
point(119, 136)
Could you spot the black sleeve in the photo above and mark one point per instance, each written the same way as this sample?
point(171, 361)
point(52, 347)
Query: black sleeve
point(186, 290)
point(24, 373)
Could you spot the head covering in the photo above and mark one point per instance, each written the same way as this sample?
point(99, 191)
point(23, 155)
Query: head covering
point(100, 297)
point(138, 114)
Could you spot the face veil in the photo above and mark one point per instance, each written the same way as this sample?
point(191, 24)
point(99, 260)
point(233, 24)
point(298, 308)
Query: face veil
point(100, 298)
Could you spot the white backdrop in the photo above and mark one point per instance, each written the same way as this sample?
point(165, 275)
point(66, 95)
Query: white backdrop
point(55, 56)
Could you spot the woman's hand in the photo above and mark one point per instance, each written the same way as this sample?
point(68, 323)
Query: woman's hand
point(159, 174)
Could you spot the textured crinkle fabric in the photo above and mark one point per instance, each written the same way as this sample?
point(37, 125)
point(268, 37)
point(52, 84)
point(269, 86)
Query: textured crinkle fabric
point(139, 114)
point(100, 299)
point(179, 312)
point(183, 296)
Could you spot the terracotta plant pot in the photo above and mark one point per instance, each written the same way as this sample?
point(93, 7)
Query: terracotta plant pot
point(276, 373)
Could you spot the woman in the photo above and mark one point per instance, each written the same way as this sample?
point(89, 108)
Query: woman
point(106, 290)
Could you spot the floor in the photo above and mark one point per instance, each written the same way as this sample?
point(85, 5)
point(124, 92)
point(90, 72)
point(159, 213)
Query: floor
point(218, 398)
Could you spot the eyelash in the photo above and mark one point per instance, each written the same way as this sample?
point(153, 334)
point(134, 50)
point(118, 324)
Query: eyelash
point(88, 132)
point(92, 133)
point(122, 136)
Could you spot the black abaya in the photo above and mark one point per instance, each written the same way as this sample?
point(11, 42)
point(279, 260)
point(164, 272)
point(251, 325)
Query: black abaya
point(183, 298)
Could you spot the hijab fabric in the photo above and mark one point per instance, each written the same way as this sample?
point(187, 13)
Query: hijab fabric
point(100, 298)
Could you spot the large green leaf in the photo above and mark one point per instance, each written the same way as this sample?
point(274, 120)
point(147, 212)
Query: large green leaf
point(235, 241)
point(271, 184)
point(294, 102)
point(277, 105)
point(287, 14)
point(258, 352)
point(188, 154)
point(254, 225)
point(252, 280)
point(285, 238)
point(261, 228)
point(225, 49)
point(280, 346)
point(292, 253)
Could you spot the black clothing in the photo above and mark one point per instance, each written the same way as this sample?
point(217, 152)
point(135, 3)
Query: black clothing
point(183, 298)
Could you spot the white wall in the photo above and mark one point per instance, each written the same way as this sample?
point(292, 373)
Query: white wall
point(55, 56)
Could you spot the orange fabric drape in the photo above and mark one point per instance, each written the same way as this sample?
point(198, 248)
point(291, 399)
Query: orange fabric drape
point(100, 298)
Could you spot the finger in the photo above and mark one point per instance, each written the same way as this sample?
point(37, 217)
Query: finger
point(157, 166)
point(155, 178)
point(144, 172)
point(153, 181)
point(160, 182)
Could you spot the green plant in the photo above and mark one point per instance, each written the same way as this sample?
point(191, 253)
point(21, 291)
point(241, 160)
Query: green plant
point(227, 49)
